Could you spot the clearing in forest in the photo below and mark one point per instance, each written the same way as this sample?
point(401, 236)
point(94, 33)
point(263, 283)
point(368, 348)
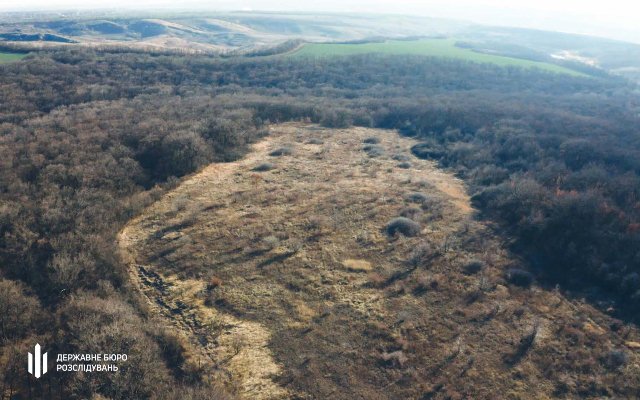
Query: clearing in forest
point(286, 279)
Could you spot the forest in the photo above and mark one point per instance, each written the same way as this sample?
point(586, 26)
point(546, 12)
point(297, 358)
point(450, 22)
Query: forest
point(88, 139)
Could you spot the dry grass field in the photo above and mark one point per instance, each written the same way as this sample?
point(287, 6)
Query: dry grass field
point(282, 278)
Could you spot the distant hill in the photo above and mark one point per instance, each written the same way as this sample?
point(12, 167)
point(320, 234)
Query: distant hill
point(611, 55)
point(266, 33)
point(220, 32)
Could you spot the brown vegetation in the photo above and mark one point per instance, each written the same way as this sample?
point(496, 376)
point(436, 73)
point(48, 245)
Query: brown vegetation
point(89, 139)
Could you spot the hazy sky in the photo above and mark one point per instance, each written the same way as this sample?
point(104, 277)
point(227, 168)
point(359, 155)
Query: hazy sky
point(611, 18)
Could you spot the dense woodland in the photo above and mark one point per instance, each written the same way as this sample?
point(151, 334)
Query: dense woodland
point(88, 139)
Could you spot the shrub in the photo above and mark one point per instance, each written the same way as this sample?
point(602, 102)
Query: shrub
point(336, 118)
point(264, 167)
point(93, 324)
point(473, 267)
point(316, 223)
point(173, 350)
point(422, 285)
point(20, 313)
point(315, 141)
point(371, 140)
point(214, 282)
point(373, 150)
point(422, 254)
point(404, 226)
point(526, 343)
point(396, 359)
point(271, 241)
point(376, 279)
point(427, 151)
point(410, 212)
point(404, 165)
point(401, 157)
point(181, 153)
point(616, 359)
point(282, 151)
point(416, 197)
point(519, 277)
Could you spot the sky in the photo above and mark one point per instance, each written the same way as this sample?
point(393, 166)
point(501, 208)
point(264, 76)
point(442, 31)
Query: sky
point(617, 19)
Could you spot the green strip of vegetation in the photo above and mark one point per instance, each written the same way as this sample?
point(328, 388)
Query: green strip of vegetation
point(10, 57)
point(427, 47)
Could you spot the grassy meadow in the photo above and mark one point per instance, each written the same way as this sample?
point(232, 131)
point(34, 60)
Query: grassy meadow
point(426, 47)
point(10, 57)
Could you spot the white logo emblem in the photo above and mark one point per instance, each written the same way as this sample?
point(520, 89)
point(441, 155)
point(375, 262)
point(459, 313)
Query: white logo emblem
point(37, 367)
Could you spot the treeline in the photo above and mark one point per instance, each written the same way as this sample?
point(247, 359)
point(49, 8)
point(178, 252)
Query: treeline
point(89, 138)
point(70, 179)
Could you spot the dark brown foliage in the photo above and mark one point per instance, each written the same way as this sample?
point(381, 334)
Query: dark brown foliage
point(402, 225)
point(88, 139)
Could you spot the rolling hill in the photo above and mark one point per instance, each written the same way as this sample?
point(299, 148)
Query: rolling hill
point(446, 48)
point(254, 33)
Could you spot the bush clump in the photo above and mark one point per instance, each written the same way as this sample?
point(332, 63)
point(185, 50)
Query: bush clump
point(264, 167)
point(616, 359)
point(404, 165)
point(427, 151)
point(401, 157)
point(403, 225)
point(271, 241)
point(214, 282)
point(373, 150)
point(473, 267)
point(416, 197)
point(422, 254)
point(410, 212)
point(282, 151)
point(371, 140)
point(519, 277)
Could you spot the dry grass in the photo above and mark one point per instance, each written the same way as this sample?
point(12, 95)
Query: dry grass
point(358, 265)
point(288, 283)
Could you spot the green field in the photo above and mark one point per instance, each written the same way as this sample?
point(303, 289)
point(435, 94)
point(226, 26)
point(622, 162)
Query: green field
point(427, 47)
point(9, 57)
